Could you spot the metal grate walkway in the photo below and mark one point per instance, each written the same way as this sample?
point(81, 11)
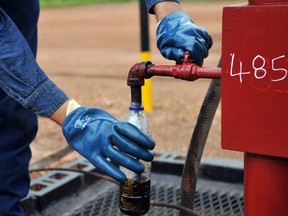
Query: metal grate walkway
point(219, 191)
point(208, 202)
point(212, 199)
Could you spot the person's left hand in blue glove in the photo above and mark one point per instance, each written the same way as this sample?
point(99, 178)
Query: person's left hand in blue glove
point(176, 33)
point(103, 140)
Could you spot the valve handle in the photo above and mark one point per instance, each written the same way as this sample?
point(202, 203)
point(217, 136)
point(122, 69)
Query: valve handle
point(187, 58)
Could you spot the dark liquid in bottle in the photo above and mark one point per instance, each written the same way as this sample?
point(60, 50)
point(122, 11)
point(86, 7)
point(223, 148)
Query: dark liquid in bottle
point(134, 197)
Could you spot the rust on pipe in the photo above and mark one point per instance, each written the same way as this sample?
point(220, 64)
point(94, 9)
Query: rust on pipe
point(185, 71)
point(137, 73)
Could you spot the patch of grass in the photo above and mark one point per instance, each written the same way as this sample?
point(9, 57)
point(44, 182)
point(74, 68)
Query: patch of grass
point(59, 3)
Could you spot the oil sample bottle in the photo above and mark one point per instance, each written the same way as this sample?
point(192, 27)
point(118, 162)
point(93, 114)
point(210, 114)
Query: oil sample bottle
point(134, 195)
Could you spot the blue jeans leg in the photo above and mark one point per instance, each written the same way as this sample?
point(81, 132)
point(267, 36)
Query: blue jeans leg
point(18, 128)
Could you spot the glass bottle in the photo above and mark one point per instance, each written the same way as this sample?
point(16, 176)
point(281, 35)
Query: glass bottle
point(134, 196)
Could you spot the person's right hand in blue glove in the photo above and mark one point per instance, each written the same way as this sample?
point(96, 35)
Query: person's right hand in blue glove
point(176, 33)
point(104, 140)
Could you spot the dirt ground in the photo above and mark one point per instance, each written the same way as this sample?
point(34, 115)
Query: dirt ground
point(88, 51)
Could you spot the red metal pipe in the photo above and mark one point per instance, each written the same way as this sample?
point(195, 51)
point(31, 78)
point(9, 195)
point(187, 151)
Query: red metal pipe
point(185, 71)
point(266, 189)
point(189, 72)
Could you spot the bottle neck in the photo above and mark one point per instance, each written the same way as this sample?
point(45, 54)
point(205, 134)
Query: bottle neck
point(135, 106)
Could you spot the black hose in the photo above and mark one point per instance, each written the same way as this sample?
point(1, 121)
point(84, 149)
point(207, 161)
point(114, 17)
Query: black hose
point(197, 144)
point(94, 174)
point(51, 158)
point(175, 206)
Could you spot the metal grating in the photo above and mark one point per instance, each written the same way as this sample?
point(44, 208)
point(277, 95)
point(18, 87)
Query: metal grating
point(209, 202)
point(219, 191)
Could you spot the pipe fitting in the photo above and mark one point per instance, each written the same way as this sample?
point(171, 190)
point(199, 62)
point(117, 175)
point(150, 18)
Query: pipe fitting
point(137, 74)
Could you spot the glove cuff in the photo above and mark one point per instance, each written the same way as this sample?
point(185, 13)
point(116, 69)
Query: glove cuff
point(72, 105)
point(175, 15)
point(175, 18)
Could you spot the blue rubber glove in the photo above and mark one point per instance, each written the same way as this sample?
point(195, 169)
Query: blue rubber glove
point(97, 136)
point(176, 33)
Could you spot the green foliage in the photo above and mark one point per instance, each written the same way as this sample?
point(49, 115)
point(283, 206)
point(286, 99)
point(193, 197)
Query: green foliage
point(57, 3)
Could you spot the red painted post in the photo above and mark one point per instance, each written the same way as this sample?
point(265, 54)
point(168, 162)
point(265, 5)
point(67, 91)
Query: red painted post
point(265, 185)
point(255, 100)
